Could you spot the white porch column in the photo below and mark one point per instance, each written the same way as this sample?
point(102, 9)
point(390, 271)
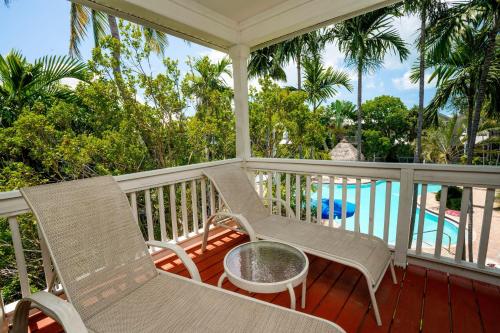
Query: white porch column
point(239, 56)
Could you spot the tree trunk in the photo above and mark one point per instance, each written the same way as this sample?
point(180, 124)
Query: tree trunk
point(299, 71)
point(358, 132)
point(418, 148)
point(113, 26)
point(481, 91)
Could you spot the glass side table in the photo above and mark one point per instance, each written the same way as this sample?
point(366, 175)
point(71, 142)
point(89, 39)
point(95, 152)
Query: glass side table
point(267, 267)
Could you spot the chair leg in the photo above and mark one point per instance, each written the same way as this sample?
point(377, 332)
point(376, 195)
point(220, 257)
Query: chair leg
point(205, 234)
point(393, 273)
point(374, 303)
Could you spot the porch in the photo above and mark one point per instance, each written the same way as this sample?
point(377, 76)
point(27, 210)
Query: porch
point(424, 299)
point(438, 289)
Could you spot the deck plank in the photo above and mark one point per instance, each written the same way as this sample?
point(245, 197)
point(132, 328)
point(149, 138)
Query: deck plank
point(488, 297)
point(387, 298)
point(436, 317)
point(409, 309)
point(337, 296)
point(465, 312)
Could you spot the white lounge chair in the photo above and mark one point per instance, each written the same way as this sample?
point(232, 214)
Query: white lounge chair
point(368, 254)
point(112, 284)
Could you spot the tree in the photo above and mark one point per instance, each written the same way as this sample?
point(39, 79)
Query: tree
point(444, 144)
point(321, 83)
point(483, 15)
point(336, 117)
point(270, 60)
point(387, 117)
point(365, 40)
point(427, 10)
point(22, 83)
point(81, 17)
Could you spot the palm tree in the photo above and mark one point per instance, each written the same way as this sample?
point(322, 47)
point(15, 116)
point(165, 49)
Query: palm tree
point(22, 83)
point(427, 10)
point(270, 60)
point(485, 16)
point(321, 83)
point(443, 144)
point(365, 40)
point(204, 79)
point(267, 61)
point(82, 17)
point(457, 74)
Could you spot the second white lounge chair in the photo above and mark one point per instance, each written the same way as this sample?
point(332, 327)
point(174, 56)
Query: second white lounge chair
point(368, 254)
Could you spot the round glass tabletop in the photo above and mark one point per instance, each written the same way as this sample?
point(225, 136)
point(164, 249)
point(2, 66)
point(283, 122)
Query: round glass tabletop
point(265, 262)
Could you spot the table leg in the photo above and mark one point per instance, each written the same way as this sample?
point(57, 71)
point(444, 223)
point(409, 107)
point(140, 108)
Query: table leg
point(304, 286)
point(221, 279)
point(292, 296)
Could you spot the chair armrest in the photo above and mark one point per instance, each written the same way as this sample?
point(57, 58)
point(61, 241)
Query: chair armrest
point(288, 209)
point(240, 220)
point(61, 311)
point(183, 256)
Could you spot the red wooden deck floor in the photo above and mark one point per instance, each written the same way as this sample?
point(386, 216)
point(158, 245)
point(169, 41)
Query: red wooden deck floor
point(423, 300)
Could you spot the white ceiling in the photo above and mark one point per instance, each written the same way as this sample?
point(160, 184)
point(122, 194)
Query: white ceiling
point(239, 10)
point(221, 24)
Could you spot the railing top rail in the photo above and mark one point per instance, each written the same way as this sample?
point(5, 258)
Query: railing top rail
point(12, 202)
point(382, 165)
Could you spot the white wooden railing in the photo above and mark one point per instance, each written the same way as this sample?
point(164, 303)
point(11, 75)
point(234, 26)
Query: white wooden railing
point(171, 205)
point(162, 200)
point(297, 182)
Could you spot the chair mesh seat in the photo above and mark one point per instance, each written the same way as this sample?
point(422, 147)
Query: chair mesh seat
point(174, 304)
point(357, 248)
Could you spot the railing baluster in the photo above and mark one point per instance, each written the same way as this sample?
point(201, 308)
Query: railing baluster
point(387, 212)
point(344, 202)
point(46, 261)
point(270, 191)
point(485, 228)
point(319, 199)
point(261, 188)
point(19, 255)
point(173, 212)
point(204, 201)
point(421, 218)
point(185, 222)
point(194, 205)
point(331, 191)
point(297, 196)
point(464, 209)
point(308, 198)
point(213, 209)
point(161, 211)
point(287, 190)
point(357, 213)
point(149, 214)
point(278, 191)
point(133, 205)
point(373, 185)
point(440, 226)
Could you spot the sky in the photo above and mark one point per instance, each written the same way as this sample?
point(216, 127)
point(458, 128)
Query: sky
point(41, 27)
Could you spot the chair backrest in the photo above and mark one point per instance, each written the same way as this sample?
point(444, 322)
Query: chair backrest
point(97, 248)
point(238, 193)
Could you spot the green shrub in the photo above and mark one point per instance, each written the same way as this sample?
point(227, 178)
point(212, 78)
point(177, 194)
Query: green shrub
point(453, 201)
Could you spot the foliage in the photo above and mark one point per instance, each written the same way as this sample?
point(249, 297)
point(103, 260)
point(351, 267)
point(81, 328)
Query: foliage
point(22, 83)
point(453, 199)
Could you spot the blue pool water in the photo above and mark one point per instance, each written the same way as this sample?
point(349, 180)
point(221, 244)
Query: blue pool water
point(430, 220)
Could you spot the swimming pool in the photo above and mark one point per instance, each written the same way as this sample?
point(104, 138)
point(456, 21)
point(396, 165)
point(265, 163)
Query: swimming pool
point(430, 220)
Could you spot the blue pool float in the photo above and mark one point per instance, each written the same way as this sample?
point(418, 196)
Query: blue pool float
point(337, 208)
